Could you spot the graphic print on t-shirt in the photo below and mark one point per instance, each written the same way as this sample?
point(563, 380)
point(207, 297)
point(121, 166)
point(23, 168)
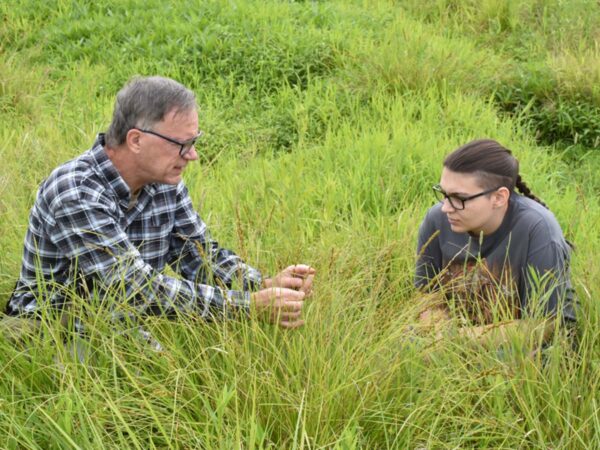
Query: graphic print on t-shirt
point(479, 293)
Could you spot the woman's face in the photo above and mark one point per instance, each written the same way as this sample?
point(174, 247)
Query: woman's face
point(481, 214)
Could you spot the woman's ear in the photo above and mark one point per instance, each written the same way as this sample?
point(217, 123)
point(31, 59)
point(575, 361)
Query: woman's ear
point(501, 197)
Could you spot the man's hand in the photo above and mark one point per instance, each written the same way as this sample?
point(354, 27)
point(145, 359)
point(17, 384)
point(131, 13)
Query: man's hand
point(279, 305)
point(298, 277)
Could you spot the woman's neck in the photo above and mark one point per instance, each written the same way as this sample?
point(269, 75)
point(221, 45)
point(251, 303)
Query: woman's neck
point(492, 225)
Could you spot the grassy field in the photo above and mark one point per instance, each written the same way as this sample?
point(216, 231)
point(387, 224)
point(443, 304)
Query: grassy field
point(326, 124)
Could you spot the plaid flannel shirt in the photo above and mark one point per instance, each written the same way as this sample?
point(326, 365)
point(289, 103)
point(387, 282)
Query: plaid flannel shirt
point(83, 234)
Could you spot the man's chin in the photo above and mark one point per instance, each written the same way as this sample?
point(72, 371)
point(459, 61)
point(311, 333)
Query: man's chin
point(172, 180)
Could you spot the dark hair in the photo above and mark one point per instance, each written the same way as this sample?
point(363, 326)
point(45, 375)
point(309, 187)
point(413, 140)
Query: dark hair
point(492, 164)
point(143, 102)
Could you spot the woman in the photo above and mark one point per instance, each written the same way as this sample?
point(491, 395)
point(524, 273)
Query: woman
point(497, 254)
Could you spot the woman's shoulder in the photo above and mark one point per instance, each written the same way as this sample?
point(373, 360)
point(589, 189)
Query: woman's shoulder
point(434, 214)
point(533, 215)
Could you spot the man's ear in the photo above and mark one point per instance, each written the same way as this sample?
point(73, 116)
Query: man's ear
point(501, 197)
point(132, 139)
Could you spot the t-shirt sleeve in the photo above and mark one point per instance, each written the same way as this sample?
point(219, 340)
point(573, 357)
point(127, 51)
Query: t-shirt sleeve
point(547, 274)
point(429, 254)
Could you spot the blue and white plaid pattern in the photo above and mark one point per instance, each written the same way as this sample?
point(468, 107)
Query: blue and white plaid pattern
point(80, 230)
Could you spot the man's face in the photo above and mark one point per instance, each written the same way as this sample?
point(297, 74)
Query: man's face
point(160, 160)
point(478, 214)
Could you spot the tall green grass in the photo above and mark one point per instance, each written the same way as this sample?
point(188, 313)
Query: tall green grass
point(550, 49)
point(326, 125)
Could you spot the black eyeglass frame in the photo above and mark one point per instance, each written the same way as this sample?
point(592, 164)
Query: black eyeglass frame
point(184, 147)
point(441, 195)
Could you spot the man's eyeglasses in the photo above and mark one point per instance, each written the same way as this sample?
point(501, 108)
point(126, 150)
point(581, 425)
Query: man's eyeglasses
point(184, 147)
point(456, 201)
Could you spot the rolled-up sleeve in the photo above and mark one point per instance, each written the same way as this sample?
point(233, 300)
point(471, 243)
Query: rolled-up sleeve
point(198, 257)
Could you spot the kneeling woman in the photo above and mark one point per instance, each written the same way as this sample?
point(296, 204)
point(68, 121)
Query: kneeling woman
point(490, 250)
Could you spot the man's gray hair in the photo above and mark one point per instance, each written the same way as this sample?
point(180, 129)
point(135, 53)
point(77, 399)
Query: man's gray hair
point(143, 102)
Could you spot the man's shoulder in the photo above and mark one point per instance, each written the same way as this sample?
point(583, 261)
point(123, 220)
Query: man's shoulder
point(74, 180)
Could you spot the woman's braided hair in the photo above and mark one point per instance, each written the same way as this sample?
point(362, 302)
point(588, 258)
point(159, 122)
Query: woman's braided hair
point(524, 189)
point(493, 164)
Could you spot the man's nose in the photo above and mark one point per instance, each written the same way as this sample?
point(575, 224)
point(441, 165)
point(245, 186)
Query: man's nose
point(192, 155)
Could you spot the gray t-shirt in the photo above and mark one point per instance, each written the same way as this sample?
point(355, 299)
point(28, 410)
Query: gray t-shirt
point(528, 238)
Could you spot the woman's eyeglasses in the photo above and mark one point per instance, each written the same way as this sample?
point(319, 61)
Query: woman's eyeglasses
point(457, 201)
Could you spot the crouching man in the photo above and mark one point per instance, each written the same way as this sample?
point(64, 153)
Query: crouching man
point(111, 221)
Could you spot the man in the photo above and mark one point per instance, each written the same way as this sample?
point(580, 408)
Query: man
point(109, 222)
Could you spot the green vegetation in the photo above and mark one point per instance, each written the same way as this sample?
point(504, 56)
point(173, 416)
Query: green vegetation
point(326, 125)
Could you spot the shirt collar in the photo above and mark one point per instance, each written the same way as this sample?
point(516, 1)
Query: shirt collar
point(105, 167)
point(492, 240)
